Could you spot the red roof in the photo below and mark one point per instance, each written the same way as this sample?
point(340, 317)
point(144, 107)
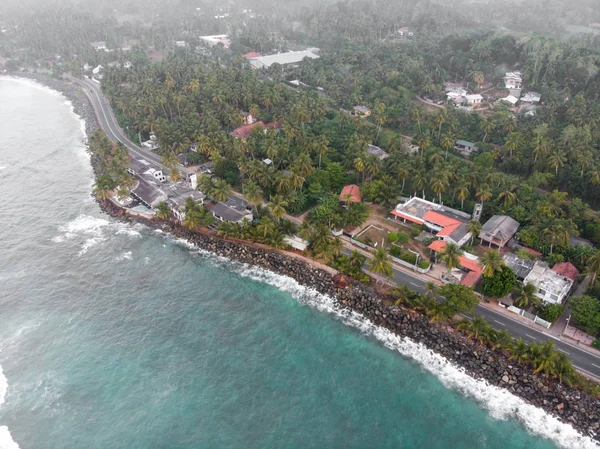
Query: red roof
point(244, 131)
point(252, 54)
point(437, 246)
point(407, 217)
point(471, 278)
point(566, 269)
point(445, 232)
point(352, 190)
point(470, 264)
point(275, 125)
point(439, 219)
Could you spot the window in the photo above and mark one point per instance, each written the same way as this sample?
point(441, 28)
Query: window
point(542, 292)
point(554, 297)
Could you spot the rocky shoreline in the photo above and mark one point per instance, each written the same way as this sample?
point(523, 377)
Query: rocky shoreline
point(570, 405)
point(81, 104)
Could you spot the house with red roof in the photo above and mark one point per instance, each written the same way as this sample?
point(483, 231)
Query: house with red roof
point(244, 131)
point(251, 55)
point(566, 269)
point(471, 268)
point(446, 223)
point(350, 194)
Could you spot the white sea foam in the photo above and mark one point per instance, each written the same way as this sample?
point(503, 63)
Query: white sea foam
point(500, 403)
point(3, 386)
point(125, 256)
point(6, 441)
point(2, 167)
point(128, 231)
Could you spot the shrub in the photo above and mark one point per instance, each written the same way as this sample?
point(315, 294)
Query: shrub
point(596, 344)
point(403, 237)
point(415, 230)
point(409, 257)
point(428, 241)
point(551, 312)
point(424, 264)
point(392, 237)
point(367, 241)
point(522, 254)
point(396, 251)
point(500, 284)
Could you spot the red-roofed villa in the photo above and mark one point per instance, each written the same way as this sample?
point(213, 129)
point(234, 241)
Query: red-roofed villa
point(350, 194)
point(566, 269)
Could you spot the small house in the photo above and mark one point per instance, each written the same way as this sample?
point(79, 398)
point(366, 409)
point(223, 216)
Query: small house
point(234, 210)
point(99, 46)
point(531, 97)
point(372, 150)
point(350, 194)
point(465, 147)
point(552, 287)
point(473, 99)
point(513, 80)
point(511, 99)
point(361, 111)
point(498, 230)
point(405, 32)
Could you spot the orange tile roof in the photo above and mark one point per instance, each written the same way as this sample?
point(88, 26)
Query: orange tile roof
point(244, 131)
point(352, 190)
point(437, 246)
point(439, 219)
point(470, 264)
point(447, 230)
point(408, 217)
point(470, 278)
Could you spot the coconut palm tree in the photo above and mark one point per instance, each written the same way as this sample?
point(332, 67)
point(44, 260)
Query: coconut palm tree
point(527, 296)
point(483, 194)
point(430, 288)
point(450, 256)
point(593, 265)
point(501, 340)
point(519, 351)
point(474, 227)
point(477, 328)
point(563, 369)
point(544, 362)
point(253, 193)
point(462, 193)
point(403, 294)
point(192, 220)
point(220, 191)
point(163, 211)
point(266, 226)
point(492, 261)
point(380, 263)
point(277, 206)
point(557, 159)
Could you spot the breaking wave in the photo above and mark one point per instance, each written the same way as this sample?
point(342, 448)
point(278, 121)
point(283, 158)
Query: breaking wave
point(6, 441)
point(500, 403)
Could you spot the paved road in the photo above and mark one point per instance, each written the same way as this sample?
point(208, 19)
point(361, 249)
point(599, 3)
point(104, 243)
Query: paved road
point(583, 361)
point(108, 123)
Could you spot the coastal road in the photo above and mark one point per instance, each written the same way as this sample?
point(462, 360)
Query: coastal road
point(582, 360)
point(108, 123)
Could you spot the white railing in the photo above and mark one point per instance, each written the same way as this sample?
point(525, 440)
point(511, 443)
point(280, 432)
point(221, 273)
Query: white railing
point(536, 319)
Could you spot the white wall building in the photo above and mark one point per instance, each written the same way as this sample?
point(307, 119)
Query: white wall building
point(553, 288)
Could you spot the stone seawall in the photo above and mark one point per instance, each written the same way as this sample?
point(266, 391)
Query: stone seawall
point(570, 405)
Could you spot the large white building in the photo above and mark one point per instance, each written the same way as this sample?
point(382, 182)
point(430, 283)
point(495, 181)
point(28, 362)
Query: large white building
point(216, 39)
point(284, 59)
point(552, 287)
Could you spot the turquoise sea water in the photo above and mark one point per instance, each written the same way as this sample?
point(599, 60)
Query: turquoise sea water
point(114, 336)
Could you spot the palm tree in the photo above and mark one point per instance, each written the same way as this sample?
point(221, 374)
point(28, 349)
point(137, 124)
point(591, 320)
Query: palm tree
point(519, 351)
point(359, 165)
point(557, 160)
point(527, 296)
point(462, 193)
point(430, 288)
point(163, 211)
point(101, 191)
point(380, 263)
point(403, 294)
point(192, 220)
point(492, 261)
point(450, 256)
point(501, 340)
point(439, 187)
point(593, 265)
point(266, 226)
point(221, 190)
point(253, 193)
point(477, 328)
point(483, 194)
point(507, 196)
point(544, 362)
point(563, 369)
point(277, 206)
point(356, 260)
point(447, 143)
point(474, 227)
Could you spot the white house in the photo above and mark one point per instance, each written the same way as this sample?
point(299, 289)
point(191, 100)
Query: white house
point(513, 80)
point(180, 43)
point(405, 31)
point(99, 46)
point(552, 287)
point(296, 242)
point(473, 98)
point(531, 97)
point(211, 41)
point(511, 99)
point(97, 70)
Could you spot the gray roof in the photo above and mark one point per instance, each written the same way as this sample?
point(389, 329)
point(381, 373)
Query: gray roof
point(521, 267)
point(373, 150)
point(459, 233)
point(499, 227)
point(148, 192)
point(291, 57)
point(234, 209)
point(361, 108)
point(465, 143)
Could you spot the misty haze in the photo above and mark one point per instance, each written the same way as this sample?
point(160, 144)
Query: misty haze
point(300, 224)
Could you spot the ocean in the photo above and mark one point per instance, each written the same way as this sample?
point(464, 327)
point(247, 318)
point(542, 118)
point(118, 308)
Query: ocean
point(118, 336)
